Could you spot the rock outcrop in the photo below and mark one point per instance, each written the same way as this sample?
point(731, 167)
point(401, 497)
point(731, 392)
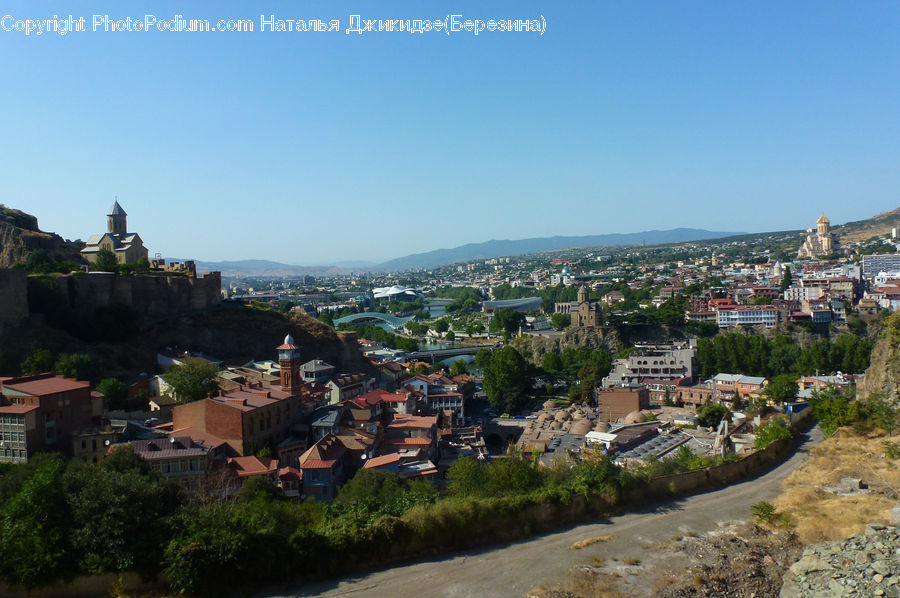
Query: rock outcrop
point(20, 236)
point(867, 564)
point(883, 374)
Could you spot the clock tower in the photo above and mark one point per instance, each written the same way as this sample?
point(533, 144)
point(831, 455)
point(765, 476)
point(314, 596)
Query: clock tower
point(289, 361)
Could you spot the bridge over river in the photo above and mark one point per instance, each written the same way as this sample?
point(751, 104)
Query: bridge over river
point(436, 355)
point(392, 321)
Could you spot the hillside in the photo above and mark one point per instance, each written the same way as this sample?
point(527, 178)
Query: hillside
point(495, 248)
point(232, 333)
point(20, 236)
point(861, 230)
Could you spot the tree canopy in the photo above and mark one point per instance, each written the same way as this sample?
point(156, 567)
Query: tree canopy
point(105, 262)
point(193, 380)
point(506, 380)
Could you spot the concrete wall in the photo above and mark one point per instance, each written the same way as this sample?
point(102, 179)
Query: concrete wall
point(13, 295)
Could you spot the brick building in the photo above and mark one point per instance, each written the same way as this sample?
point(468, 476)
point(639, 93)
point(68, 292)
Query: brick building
point(618, 401)
point(253, 416)
point(42, 413)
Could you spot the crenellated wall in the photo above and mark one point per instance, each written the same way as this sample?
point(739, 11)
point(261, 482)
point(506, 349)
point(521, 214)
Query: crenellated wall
point(147, 295)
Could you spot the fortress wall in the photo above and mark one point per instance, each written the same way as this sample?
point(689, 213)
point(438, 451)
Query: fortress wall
point(13, 295)
point(154, 296)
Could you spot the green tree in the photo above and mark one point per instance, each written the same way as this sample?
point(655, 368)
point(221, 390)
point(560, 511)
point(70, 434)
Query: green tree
point(105, 262)
point(560, 321)
point(258, 488)
point(776, 429)
point(466, 477)
point(442, 326)
point(458, 367)
point(552, 363)
point(117, 517)
point(709, 414)
point(193, 380)
point(40, 360)
point(34, 530)
point(786, 279)
point(326, 318)
point(77, 365)
point(507, 322)
point(450, 335)
point(483, 358)
point(38, 262)
point(782, 388)
point(506, 379)
point(114, 392)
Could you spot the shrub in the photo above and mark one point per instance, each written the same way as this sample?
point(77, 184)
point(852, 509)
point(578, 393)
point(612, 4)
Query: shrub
point(776, 429)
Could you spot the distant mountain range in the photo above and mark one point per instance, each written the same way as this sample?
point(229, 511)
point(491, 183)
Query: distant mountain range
point(491, 249)
point(268, 268)
point(463, 253)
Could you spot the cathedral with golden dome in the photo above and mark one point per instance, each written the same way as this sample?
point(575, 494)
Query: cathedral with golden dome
point(818, 242)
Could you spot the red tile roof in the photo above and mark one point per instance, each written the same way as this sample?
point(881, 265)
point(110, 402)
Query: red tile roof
point(248, 466)
point(408, 441)
point(382, 461)
point(323, 454)
point(44, 384)
point(18, 409)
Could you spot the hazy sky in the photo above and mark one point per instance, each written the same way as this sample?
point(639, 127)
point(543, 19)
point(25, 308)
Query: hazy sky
point(320, 147)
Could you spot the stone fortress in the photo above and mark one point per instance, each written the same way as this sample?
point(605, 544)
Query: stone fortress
point(165, 290)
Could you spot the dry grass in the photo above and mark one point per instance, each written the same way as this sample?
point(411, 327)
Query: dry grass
point(588, 542)
point(581, 584)
point(820, 515)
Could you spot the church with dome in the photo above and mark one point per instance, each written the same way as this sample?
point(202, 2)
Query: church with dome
point(127, 247)
point(818, 242)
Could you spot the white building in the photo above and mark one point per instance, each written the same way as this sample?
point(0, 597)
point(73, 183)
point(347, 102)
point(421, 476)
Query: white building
point(748, 315)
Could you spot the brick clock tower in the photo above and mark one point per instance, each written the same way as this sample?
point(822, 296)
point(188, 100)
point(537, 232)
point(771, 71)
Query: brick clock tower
point(289, 361)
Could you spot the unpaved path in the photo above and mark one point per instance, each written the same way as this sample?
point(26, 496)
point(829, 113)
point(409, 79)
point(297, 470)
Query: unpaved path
point(511, 570)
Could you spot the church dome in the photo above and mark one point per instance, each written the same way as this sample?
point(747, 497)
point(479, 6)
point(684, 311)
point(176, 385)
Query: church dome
point(823, 220)
point(289, 340)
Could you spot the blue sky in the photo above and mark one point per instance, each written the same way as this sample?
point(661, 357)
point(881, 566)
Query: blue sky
point(315, 148)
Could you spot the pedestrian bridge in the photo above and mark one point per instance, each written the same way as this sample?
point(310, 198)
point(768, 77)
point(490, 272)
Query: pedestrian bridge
point(393, 321)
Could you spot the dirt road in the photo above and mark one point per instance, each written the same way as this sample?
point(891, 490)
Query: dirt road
point(512, 570)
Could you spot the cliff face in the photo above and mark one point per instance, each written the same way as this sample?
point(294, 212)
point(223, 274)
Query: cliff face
point(883, 375)
point(20, 236)
point(536, 346)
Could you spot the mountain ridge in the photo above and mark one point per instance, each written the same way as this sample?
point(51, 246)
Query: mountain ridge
point(499, 248)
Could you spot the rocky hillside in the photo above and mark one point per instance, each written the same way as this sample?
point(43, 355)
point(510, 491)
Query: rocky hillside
point(535, 346)
point(865, 565)
point(20, 235)
point(232, 333)
point(883, 375)
point(861, 230)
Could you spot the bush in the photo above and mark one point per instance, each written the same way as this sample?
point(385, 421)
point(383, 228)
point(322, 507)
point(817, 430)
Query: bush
point(776, 429)
point(709, 414)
